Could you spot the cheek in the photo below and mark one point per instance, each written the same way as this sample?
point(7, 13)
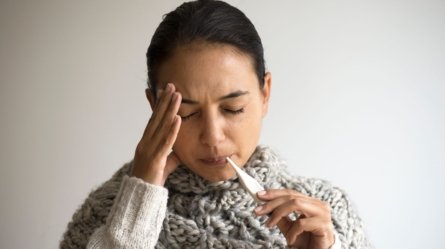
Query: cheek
point(252, 118)
point(246, 129)
point(184, 140)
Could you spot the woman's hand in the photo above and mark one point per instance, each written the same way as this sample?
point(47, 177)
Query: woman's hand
point(154, 159)
point(312, 230)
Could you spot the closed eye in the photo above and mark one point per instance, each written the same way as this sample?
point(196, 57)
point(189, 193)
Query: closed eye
point(187, 117)
point(241, 110)
point(229, 111)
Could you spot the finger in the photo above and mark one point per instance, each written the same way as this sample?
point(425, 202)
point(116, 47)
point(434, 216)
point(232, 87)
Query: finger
point(293, 234)
point(284, 225)
point(320, 229)
point(162, 106)
point(298, 205)
point(270, 194)
point(170, 112)
point(166, 135)
point(269, 206)
point(283, 206)
point(159, 94)
point(170, 139)
point(159, 111)
point(162, 93)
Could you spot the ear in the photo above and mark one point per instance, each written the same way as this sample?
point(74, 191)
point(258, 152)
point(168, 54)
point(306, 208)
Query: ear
point(266, 92)
point(150, 98)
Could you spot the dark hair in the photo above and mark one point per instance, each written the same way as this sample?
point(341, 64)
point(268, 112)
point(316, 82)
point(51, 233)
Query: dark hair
point(209, 21)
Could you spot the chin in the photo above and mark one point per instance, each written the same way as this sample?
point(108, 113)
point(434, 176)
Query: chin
point(216, 176)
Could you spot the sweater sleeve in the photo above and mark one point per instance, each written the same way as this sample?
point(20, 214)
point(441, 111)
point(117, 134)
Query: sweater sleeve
point(135, 219)
point(348, 224)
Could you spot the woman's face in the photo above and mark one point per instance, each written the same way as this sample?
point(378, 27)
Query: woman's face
point(222, 107)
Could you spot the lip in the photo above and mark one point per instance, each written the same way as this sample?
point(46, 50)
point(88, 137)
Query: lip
point(215, 161)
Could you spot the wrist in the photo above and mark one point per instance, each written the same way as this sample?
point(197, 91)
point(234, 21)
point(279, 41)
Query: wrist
point(152, 177)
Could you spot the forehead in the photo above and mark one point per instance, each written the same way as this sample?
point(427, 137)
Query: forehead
point(200, 68)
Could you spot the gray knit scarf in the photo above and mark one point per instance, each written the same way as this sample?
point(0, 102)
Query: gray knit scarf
point(201, 214)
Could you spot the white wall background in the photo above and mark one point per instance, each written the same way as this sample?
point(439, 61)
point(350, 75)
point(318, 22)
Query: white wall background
point(358, 99)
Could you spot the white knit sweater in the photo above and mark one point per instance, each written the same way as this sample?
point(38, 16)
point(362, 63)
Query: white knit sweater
point(135, 221)
point(126, 212)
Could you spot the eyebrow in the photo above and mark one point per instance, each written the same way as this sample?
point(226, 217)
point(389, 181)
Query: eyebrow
point(228, 96)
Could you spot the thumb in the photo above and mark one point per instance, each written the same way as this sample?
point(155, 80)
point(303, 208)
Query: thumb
point(172, 163)
point(284, 225)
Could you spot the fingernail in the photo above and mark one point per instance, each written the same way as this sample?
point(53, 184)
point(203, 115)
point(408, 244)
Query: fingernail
point(169, 87)
point(262, 192)
point(258, 209)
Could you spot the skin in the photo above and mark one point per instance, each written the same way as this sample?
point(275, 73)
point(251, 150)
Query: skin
point(210, 107)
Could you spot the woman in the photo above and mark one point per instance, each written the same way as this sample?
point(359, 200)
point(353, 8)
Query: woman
point(209, 91)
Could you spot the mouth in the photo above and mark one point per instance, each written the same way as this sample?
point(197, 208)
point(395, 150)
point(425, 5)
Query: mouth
point(215, 161)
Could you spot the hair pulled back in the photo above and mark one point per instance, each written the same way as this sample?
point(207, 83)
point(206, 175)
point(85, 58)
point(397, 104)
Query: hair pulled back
point(209, 21)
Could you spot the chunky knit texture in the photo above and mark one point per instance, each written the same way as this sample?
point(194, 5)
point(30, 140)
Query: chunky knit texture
point(201, 214)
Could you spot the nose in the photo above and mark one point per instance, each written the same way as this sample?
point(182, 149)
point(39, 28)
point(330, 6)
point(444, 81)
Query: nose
point(212, 130)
